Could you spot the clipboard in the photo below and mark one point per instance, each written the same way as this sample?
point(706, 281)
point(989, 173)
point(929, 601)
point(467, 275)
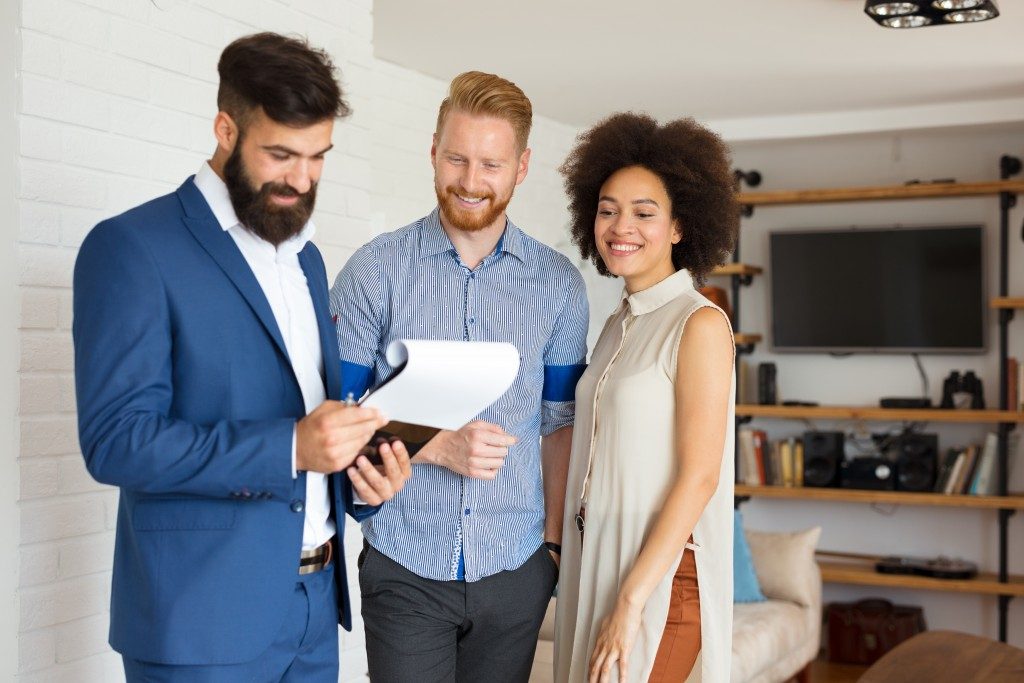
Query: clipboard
point(438, 385)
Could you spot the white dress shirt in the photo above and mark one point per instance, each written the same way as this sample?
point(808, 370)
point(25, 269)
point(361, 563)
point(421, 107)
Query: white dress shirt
point(281, 278)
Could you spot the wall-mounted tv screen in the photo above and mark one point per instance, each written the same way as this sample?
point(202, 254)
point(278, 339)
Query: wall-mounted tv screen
point(893, 290)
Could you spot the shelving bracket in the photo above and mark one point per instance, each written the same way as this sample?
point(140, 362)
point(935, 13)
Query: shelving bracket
point(744, 349)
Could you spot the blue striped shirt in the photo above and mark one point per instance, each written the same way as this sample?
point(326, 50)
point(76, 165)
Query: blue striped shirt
point(411, 284)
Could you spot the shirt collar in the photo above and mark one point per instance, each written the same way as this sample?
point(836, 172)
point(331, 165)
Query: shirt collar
point(215, 192)
point(434, 240)
point(656, 296)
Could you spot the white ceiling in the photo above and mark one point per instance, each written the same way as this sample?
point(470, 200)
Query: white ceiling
point(746, 60)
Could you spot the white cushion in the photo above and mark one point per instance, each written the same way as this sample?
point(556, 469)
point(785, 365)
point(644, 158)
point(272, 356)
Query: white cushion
point(765, 632)
point(785, 565)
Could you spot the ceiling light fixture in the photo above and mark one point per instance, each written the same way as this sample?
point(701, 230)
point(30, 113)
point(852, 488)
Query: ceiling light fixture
point(929, 12)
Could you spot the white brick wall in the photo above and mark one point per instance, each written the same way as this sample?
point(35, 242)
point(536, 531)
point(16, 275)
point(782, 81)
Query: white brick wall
point(116, 104)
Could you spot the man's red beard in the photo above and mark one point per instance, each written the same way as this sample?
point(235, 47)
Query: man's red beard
point(469, 221)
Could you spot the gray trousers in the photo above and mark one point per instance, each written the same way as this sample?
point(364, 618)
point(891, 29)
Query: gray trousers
point(424, 631)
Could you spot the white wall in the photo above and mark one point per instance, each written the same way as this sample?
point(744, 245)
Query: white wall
point(117, 101)
point(9, 517)
point(862, 379)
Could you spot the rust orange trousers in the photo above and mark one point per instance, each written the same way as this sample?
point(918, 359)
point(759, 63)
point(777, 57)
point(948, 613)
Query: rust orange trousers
point(680, 643)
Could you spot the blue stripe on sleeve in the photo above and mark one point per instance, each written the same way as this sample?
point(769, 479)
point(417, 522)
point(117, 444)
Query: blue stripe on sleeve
point(355, 379)
point(560, 381)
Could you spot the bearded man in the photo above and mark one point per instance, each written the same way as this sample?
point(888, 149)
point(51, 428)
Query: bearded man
point(207, 391)
point(459, 567)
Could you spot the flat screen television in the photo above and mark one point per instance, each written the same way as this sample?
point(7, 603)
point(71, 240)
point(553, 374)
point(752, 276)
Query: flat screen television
point(889, 290)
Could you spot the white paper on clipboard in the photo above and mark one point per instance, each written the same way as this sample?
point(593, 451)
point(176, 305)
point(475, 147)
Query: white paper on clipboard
point(444, 384)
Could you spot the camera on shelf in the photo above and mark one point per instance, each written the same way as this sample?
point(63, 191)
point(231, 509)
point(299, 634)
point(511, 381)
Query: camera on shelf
point(962, 391)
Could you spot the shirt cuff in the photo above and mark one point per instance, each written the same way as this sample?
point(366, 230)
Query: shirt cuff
point(556, 414)
point(295, 431)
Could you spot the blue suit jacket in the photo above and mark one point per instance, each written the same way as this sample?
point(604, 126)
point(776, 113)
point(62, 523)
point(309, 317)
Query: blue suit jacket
point(187, 401)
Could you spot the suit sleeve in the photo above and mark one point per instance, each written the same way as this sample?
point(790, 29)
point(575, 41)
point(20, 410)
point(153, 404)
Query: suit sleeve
point(124, 385)
point(357, 299)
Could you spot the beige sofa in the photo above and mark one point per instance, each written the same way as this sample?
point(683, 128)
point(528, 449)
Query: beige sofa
point(773, 641)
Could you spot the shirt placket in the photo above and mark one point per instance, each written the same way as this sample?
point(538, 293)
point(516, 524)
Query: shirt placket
point(467, 530)
point(627, 322)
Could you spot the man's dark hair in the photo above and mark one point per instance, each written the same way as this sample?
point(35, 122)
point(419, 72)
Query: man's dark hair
point(692, 163)
point(292, 82)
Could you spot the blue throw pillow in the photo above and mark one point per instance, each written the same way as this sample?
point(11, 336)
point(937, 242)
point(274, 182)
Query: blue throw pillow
point(745, 586)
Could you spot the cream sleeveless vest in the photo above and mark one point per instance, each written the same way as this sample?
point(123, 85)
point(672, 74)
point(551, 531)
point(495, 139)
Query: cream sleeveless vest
point(625, 437)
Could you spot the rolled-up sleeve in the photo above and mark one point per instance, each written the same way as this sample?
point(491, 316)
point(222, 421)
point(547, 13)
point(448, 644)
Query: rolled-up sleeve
point(565, 356)
point(355, 306)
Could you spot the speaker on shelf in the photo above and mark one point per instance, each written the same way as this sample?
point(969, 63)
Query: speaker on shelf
point(868, 472)
point(823, 455)
point(917, 462)
point(767, 391)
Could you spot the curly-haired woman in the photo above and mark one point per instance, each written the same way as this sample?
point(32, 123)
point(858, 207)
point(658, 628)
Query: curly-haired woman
point(646, 575)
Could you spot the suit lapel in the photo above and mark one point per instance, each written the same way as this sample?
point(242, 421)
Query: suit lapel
point(218, 244)
point(321, 306)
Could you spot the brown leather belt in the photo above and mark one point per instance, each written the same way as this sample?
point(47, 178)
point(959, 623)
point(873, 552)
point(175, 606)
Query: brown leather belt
point(318, 558)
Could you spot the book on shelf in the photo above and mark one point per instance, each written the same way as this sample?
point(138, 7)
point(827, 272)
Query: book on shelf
point(798, 462)
point(1020, 387)
point(954, 472)
point(762, 457)
point(1013, 378)
point(785, 449)
point(945, 464)
point(985, 478)
point(970, 467)
point(748, 473)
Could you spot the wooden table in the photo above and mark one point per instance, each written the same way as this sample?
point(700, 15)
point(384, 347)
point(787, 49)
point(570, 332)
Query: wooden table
point(948, 657)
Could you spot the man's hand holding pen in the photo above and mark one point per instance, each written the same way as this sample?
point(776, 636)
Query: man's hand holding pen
point(330, 438)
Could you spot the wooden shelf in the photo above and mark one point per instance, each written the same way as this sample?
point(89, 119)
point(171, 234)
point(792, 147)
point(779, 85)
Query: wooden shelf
point(861, 194)
point(878, 414)
point(1011, 502)
point(737, 269)
point(747, 338)
point(862, 573)
point(1007, 302)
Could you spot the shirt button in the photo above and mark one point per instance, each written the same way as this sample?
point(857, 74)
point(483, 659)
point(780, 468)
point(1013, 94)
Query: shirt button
point(298, 506)
point(472, 320)
point(472, 276)
point(467, 511)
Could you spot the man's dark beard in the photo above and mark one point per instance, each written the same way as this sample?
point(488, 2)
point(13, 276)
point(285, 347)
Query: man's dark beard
point(257, 212)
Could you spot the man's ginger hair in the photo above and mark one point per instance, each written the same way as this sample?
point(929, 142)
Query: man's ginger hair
point(482, 94)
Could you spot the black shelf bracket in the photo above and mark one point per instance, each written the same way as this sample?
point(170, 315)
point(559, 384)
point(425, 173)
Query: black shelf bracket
point(751, 179)
point(744, 349)
point(1009, 166)
point(743, 280)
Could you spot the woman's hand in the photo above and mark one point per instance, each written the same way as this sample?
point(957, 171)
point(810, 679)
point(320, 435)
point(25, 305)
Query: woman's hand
point(615, 642)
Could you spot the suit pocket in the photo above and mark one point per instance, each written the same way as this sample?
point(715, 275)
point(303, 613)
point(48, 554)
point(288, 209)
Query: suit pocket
point(181, 514)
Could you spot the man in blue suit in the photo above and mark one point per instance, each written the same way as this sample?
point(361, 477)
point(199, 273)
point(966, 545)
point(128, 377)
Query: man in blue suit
point(208, 385)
